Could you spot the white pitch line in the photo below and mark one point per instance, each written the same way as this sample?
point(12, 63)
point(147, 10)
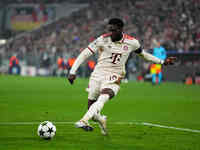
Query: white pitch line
point(119, 123)
point(170, 127)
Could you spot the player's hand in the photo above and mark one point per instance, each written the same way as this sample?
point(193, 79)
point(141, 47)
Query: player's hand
point(170, 61)
point(71, 78)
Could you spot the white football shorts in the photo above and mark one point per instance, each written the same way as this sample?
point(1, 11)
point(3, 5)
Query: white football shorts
point(98, 82)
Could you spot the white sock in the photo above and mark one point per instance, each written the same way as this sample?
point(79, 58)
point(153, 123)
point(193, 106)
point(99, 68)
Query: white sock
point(97, 117)
point(96, 107)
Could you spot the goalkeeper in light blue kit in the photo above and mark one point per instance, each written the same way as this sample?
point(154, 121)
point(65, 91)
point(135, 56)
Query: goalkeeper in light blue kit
point(156, 69)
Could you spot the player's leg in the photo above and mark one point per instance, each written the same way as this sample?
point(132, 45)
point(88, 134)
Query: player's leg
point(103, 119)
point(90, 102)
point(96, 107)
point(159, 77)
point(93, 92)
point(153, 73)
point(153, 78)
point(107, 92)
point(159, 71)
point(92, 97)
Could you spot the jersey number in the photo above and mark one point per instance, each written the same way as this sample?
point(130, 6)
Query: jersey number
point(116, 57)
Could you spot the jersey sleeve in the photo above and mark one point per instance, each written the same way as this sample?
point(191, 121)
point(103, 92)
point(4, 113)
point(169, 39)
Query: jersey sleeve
point(135, 44)
point(95, 45)
point(87, 52)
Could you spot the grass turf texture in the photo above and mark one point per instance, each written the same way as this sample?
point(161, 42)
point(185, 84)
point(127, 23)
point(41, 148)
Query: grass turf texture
point(27, 99)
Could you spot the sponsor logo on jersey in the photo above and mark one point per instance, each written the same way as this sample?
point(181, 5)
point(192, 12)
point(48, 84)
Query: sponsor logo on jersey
point(125, 47)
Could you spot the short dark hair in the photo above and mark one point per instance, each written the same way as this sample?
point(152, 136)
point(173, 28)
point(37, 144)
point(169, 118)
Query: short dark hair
point(116, 21)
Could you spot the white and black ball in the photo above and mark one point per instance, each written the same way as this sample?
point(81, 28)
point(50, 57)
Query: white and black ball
point(46, 130)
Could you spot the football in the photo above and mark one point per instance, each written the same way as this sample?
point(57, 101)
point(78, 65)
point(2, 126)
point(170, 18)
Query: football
point(46, 130)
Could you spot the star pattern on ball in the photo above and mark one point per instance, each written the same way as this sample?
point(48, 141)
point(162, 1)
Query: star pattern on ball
point(50, 130)
point(41, 132)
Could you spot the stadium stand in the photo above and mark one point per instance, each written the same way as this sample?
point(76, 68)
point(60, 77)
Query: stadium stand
point(176, 23)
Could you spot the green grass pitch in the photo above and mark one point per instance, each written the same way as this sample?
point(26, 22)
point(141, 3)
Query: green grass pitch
point(26, 101)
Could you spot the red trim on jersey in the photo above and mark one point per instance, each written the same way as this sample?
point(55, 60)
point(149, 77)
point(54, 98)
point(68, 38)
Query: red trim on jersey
point(91, 50)
point(106, 35)
point(126, 36)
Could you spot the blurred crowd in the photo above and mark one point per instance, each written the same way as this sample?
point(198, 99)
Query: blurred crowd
point(174, 23)
point(29, 1)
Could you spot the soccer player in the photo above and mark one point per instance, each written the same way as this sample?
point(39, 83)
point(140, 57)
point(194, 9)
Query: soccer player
point(14, 67)
point(113, 49)
point(156, 69)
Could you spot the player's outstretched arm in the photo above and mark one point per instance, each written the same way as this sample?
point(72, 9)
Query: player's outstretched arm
point(150, 57)
point(80, 59)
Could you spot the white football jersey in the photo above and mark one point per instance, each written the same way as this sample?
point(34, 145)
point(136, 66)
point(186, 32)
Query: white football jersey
point(112, 55)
